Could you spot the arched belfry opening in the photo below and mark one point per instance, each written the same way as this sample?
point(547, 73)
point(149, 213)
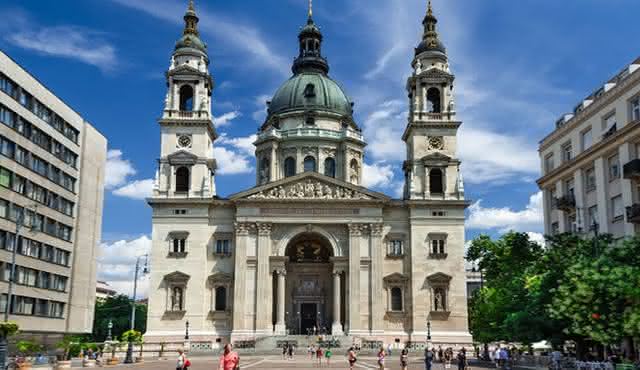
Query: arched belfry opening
point(186, 98)
point(312, 294)
point(434, 104)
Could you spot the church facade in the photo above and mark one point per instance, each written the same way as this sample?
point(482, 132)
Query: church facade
point(308, 248)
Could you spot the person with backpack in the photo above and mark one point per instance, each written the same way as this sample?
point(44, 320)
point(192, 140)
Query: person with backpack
point(462, 359)
point(229, 359)
point(404, 359)
point(183, 362)
point(351, 357)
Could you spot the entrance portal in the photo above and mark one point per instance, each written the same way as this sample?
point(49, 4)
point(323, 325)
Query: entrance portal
point(308, 317)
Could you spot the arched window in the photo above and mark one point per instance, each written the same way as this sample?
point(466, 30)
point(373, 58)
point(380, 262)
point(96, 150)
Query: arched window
point(182, 180)
point(289, 167)
point(436, 185)
point(330, 167)
point(177, 299)
point(186, 98)
point(221, 298)
point(396, 299)
point(433, 100)
point(309, 164)
point(264, 170)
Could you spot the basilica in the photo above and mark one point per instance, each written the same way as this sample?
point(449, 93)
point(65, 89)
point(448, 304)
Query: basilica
point(308, 248)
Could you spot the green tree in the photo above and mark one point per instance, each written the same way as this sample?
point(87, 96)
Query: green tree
point(118, 310)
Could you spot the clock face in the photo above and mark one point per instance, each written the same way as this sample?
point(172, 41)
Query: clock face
point(436, 143)
point(184, 141)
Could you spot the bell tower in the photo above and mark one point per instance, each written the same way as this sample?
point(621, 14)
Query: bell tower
point(187, 166)
point(431, 170)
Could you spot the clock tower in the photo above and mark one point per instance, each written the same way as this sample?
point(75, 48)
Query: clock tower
point(432, 171)
point(187, 166)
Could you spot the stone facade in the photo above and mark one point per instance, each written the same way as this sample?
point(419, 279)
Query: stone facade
point(309, 246)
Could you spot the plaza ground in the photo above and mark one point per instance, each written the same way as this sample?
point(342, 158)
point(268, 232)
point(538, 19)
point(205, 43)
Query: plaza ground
point(272, 362)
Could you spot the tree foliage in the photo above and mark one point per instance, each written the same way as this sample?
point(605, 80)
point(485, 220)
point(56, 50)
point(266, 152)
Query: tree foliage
point(118, 310)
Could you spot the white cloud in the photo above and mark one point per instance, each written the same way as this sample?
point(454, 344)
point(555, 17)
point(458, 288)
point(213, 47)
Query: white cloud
point(260, 102)
point(243, 37)
point(231, 162)
point(505, 219)
point(70, 42)
point(536, 237)
point(138, 189)
point(383, 130)
point(244, 144)
point(226, 118)
point(116, 264)
point(117, 169)
point(377, 175)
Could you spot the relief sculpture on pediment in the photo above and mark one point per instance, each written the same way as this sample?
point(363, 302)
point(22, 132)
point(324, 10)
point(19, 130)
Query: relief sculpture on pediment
point(309, 190)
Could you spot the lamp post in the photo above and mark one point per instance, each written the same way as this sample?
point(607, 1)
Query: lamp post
point(129, 358)
point(428, 332)
point(7, 307)
point(109, 327)
point(186, 330)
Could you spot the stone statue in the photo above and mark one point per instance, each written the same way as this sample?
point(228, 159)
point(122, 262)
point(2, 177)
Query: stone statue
point(439, 304)
point(176, 304)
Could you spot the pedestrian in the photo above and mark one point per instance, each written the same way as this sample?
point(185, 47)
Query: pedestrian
point(327, 355)
point(404, 359)
point(447, 358)
point(440, 354)
point(229, 359)
point(319, 355)
point(462, 360)
point(351, 357)
point(428, 358)
point(284, 351)
point(556, 358)
point(389, 349)
point(381, 356)
point(183, 362)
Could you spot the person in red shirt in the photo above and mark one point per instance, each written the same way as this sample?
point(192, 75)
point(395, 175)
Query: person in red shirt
point(319, 354)
point(229, 359)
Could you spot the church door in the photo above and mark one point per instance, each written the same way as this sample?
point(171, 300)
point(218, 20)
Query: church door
point(308, 313)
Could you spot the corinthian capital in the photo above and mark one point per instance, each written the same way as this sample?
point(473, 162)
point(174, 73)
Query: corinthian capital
point(356, 229)
point(264, 228)
point(242, 228)
point(376, 229)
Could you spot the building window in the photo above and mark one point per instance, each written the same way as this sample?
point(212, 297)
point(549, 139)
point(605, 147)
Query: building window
point(177, 298)
point(186, 98)
point(567, 152)
point(223, 247)
point(395, 248)
point(587, 139)
point(617, 208)
point(614, 167)
point(309, 164)
point(433, 100)
point(438, 213)
point(609, 125)
point(569, 188)
point(264, 171)
point(396, 299)
point(436, 185)
point(182, 180)
point(221, 298)
point(289, 167)
point(635, 109)
point(590, 179)
point(179, 211)
point(179, 245)
point(330, 167)
point(548, 163)
point(437, 246)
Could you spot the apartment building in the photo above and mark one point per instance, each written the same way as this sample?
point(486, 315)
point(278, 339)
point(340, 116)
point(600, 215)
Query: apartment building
point(591, 162)
point(51, 194)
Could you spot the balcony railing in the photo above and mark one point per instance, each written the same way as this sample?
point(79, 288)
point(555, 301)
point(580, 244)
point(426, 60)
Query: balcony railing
point(631, 170)
point(566, 203)
point(179, 114)
point(311, 132)
point(633, 214)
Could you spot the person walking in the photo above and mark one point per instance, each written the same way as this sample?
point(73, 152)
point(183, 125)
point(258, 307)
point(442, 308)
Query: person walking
point(404, 359)
point(284, 351)
point(319, 355)
point(351, 357)
point(428, 358)
point(327, 355)
point(290, 349)
point(462, 359)
point(440, 354)
point(381, 356)
point(182, 362)
point(229, 359)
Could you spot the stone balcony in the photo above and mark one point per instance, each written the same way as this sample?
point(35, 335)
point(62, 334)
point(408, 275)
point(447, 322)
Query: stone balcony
point(633, 214)
point(179, 114)
point(311, 132)
point(566, 203)
point(631, 170)
point(422, 116)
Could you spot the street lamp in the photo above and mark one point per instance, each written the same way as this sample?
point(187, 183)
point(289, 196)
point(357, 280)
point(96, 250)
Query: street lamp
point(19, 224)
point(428, 332)
point(145, 270)
point(186, 330)
point(109, 326)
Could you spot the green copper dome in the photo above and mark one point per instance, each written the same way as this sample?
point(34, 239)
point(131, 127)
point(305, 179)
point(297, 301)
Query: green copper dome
point(191, 41)
point(310, 91)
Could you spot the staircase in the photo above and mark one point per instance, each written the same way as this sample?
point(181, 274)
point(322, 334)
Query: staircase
point(275, 343)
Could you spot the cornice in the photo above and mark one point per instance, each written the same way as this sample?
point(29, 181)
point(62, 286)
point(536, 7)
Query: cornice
point(429, 124)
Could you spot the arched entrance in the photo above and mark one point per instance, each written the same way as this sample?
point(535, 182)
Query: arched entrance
point(310, 294)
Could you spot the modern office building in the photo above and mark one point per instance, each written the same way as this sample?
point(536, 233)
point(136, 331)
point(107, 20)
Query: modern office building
point(104, 290)
point(308, 246)
point(51, 193)
point(591, 162)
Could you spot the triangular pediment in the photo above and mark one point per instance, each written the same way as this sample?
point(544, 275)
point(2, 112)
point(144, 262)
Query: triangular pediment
point(184, 69)
point(436, 74)
point(182, 157)
point(436, 159)
point(309, 186)
point(177, 276)
point(395, 277)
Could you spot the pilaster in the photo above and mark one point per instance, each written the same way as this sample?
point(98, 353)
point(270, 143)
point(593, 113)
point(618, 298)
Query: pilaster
point(601, 194)
point(377, 296)
point(355, 235)
point(264, 280)
point(624, 156)
point(239, 281)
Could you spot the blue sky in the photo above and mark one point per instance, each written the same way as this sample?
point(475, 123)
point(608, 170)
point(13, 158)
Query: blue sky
point(519, 65)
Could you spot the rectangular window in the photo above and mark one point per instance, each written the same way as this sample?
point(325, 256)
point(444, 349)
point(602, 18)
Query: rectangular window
point(7, 117)
point(4, 208)
point(437, 246)
point(590, 179)
point(223, 246)
point(59, 283)
point(7, 148)
point(5, 178)
point(56, 309)
point(179, 245)
point(396, 248)
point(635, 109)
point(8, 86)
point(569, 188)
point(567, 152)
point(23, 305)
point(44, 280)
point(3, 303)
point(548, 163)
point(617, 208)
point(587, 139)
point(18, 184)
point(614, 168)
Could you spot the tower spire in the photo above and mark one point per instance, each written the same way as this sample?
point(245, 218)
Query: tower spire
point(430, 40)
point(310, 8)
point(191, 20)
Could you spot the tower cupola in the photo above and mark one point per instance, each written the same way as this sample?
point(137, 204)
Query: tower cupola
point(310, 58)
point(190, 39)
point(430, 40)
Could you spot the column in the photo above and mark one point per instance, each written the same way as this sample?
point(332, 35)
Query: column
point(625, 156)
point(336, 327)
point(377, 299)
point(602, 190)
point(264, 281)
point(280, 324)
point(239, 285)
point(581, 210)
point(355, 232)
